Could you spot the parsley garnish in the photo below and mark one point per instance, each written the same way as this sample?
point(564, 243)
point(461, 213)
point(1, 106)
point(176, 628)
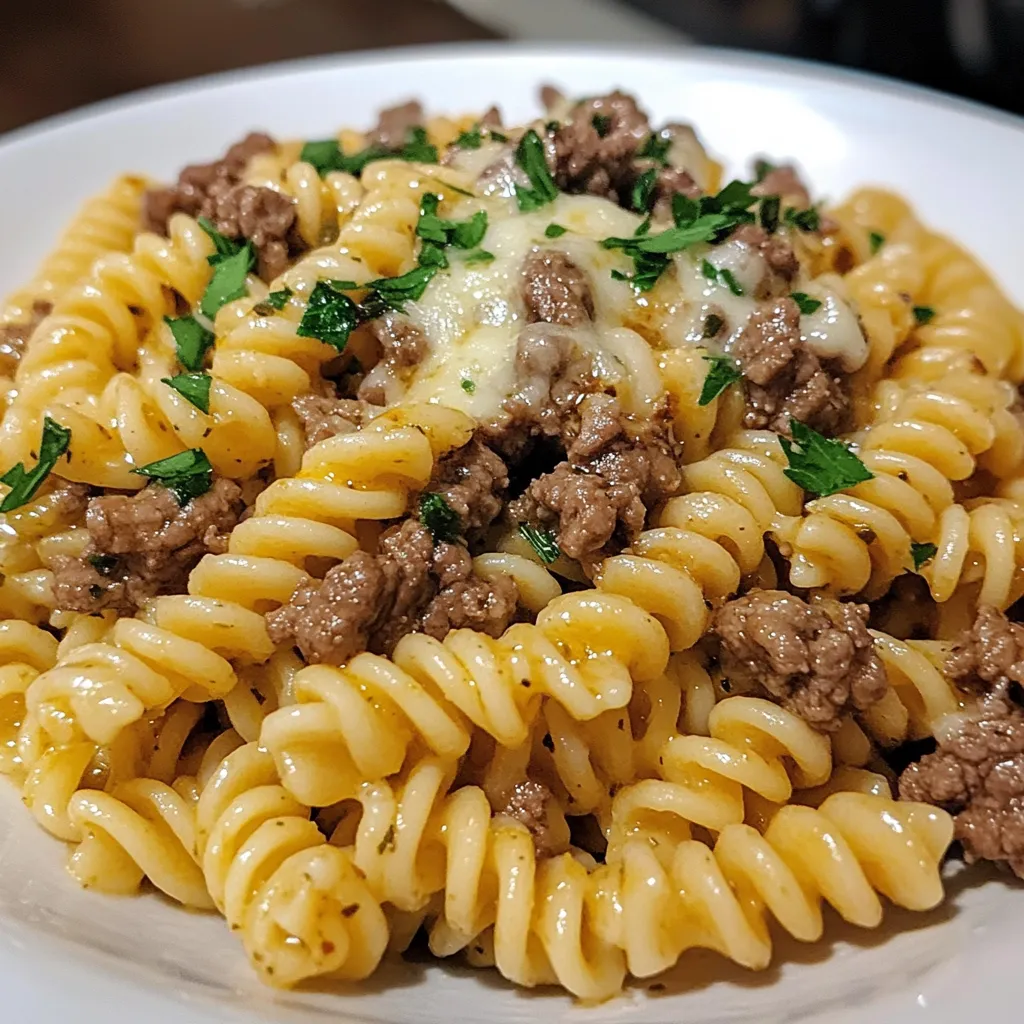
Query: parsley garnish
point(496, 135)
point(278, 300)
point(479, 256)
point(762, 168)
point(439, 518)
point(602, 124)
point(770, 207)
point(722, 372)
point(191, 339)
point(326, 156)
point(531, 158)
point(656, 147)
point(554, 231)
point(228, 281)
point(924, 314)
point(193, 386)
point(542, 541)
point(805, 220)
point(876, 240)
point(188, 474)
point(418, 148)
point(395, 292)
point(468, 385)
point(438, 233)
point(24, 483)
point(713, 323)
point(806, 303)
point(471, 139)
point(223, 246)
point(922, 553)
point(103, 564)
point(330, 316)
point(643, 189)
point(723, 275)
point(819, 464)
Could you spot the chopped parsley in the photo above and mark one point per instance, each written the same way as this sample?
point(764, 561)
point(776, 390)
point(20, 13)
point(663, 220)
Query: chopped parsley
point(602, 124)
point(554, 231)
point(713, 323)
point(193, 386)
point(805, 220)
point(531, 158)
point(330, 316)
point(395, 292)
point(770, 208)
point(468, 385)
point(479, 256)
point(806, 303)
point(188, 474)
point(721, 275)
point(278, 300)
point(388, 842)
point(439, 518)
point(223, 246)
point(922, 553)
point(819, 464)
point(326, 155)
point(762, 168)
point(438, 233)
point(418, 148)
point(722, 372)
point(655, 147)
point(228, 281)
point(496, 135)
point(542, 541)
point(103, 564)
point(471, 139)
point(876, 240)
point(643, 190)
point(191, 339)
point(23, 483)
point(924, 314)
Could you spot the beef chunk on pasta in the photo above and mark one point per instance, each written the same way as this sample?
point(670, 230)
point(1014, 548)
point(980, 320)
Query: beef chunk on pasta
point(556, 290)
point(324, 416)
point(15, 336)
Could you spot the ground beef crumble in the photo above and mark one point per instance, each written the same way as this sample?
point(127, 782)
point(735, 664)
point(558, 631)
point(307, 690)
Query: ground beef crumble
point(143, 545)
point(783, 379)
point(977, 770)
point(403, 347)
point(816, 659)
point(14, 337)
point(323, 416)
point(556, 290)
point(532, 804)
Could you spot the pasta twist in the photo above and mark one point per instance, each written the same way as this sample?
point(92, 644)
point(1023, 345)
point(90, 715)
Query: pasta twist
point(583, 653)
point(302, 907)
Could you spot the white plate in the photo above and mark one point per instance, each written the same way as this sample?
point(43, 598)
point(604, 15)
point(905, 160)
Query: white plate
point(67, 954)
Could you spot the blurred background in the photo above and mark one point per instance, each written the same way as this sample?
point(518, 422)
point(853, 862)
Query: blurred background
point(63, 53)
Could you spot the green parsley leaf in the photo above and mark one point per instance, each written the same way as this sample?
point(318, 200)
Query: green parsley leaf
point(468, 385)
point(471, 139)
point(806, 303)
point(531, 158)
point(223, 245)
point(278, 300)
point(24, 484)
point(655, 147)
point(924, 314)
point(819, 464)
point(673, 239)
point(770, 207)
point(542, 541)
point(191, 339)
point(418, 148)
point(876, 240)
point(554, 231)
point(713, 323)
point(722, 372)
point(103, 564)
point(188, 474)
point(228, 281)
point(762, 168)
point(602, 124)
point(684, 209)
point(396, 291)
point(479, 256)
point(805, 220)
point(439, 518)
point(643, 189)
point(496, 135)
point(330, 316)
point(326, 156)
point(193, 386)
point(922, 553)
point(438, 233)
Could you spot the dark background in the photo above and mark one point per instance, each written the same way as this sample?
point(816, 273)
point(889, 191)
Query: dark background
point(59, 54)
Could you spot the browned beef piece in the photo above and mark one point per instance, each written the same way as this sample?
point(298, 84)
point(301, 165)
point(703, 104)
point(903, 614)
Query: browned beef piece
point(556, 290)
point(394, 125)
point(70, 499)
point(595, 149)
point(474, 482)
point(369, 602)
point(533, 805)
point(781, 264)
point(817, 660)
point(784, 181)
point(262, 215)
point(597, 500)
point(977, 774)
point(991, 651)
point(143, 545)
point(784, 380)
point(14, 337)
point(403, 347)
point(323, 416)
point(191, 192)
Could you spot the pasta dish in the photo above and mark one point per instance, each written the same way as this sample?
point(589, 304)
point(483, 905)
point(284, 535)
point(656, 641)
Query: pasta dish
point(526, 542)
